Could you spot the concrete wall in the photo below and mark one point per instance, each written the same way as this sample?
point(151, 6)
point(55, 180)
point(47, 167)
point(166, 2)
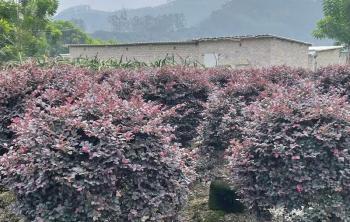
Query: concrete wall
point(319, 59)
point(289, 53)
point(144, 53)
point(255, 52)
point(239, 54)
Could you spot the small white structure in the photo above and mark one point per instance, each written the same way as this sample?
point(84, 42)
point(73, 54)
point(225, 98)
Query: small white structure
point(236, 52)
point(321, 56)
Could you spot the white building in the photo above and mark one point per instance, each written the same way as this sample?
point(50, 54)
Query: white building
point(321, 56)
point(237, 52)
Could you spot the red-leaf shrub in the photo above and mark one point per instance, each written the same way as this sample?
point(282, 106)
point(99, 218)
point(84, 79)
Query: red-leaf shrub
point(17, 86)
point(334, 78)
point(295, 151)
point(220, 77)
point(241, 90)
point(184, 88)
point(284, 75)
point(223, 115)
point(83, 154)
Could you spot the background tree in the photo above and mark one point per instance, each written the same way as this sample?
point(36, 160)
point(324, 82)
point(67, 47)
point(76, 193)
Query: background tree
point(8, 21)
point(336, 22)
point(26, 26)
point(79, 23)
point(62, 33)
point(27, 30)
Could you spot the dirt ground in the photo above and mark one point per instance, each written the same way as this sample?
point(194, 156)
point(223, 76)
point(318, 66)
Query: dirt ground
point(197, 209)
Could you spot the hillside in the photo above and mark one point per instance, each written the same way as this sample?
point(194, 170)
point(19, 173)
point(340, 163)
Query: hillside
point(289, 18)
point(96, 20)
point(109, 5)
point(194, 11)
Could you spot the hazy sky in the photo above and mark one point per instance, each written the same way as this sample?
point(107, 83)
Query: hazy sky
point(110, 5)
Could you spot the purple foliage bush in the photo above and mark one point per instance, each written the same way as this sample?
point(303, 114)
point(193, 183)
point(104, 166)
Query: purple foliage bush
point(17, 86)
point(334, 78)
point(186, 89)
point(82, 153)
point(223, 114)
point(295, 152)
point(243, 88)
point(80, 145)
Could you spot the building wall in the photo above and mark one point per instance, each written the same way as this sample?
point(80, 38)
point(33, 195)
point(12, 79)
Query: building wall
point(238, 54)
point(289, 53)
point(144, 53)
point(326, 57)
point(242, 53)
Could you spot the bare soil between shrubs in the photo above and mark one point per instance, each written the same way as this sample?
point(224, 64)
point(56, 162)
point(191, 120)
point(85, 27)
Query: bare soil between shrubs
point(197, 209)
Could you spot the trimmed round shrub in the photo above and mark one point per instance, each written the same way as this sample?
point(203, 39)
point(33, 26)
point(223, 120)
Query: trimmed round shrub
point(241, 90)
point(17, 86)
point(295, 151)
point(334, 78)
point(185, 89)
point(82, 153)
point(220, 77)
point(284, 75)
point(223, 116)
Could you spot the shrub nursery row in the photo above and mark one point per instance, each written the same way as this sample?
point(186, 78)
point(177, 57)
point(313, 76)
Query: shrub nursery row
point(127, 144)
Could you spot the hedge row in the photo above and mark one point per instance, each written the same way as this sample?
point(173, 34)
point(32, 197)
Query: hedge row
point(78, 151)
point(294, 151)
point(82, 145)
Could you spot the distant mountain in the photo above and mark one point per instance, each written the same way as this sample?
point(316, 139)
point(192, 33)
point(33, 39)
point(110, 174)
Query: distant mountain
point(289, 18)
point(94, 20)
point(194, 11)
point(109, 5)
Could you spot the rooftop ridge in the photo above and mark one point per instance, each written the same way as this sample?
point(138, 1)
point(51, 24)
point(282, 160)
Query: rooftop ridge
point(196, 41)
